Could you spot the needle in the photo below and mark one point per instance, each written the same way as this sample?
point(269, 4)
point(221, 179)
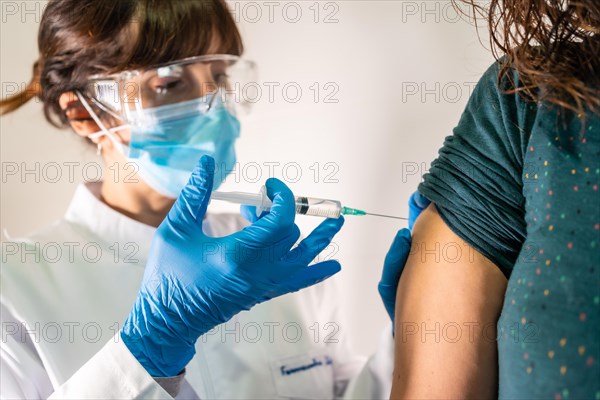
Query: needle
point(386, 216)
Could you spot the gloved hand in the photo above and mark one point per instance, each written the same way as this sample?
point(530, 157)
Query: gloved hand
point(416, 204)
point(397, 255)
point(193, 282)
point(249, 212)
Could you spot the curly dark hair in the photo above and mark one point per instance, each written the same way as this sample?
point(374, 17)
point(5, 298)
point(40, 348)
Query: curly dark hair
point(554, 45)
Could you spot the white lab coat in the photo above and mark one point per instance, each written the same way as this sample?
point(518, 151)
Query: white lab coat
point(66, 291)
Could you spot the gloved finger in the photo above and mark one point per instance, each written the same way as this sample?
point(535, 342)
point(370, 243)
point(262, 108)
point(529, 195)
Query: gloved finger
point(316, 242)
point(190, 207)
point(309, 276)
point(396, 258)
point(416, 204)
point(284, 203)
point(249, 213)
point(419, 200)
point(392, 270)
point(282, 248)
point(278, 223)
point(255, 247)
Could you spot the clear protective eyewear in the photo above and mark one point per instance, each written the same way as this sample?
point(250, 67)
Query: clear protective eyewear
point(130, 96)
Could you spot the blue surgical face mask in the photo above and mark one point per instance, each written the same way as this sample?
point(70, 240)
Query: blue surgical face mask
point(167, 142)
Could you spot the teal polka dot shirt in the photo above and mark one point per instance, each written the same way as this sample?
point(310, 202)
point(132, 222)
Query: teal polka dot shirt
point(519, 182)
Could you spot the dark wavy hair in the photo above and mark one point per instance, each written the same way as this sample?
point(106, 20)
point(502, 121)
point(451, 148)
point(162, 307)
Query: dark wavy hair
point(554, 45)
point(80, 38)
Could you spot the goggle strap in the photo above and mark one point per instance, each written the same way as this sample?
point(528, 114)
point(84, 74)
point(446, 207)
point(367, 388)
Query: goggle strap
point(91, 112)
point(104, 108)
point(103, 130)
point(108, 133)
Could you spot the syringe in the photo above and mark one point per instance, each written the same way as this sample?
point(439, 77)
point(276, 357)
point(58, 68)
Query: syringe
point(304, 205)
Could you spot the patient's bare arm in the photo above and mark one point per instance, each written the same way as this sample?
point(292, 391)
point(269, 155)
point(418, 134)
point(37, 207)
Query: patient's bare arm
point(448, 302)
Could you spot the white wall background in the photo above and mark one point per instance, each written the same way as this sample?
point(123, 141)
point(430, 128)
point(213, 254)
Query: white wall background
point(401, 72)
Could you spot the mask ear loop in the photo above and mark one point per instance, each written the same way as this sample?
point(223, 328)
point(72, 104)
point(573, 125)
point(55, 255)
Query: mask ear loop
point(103, 129)
point(212, 99)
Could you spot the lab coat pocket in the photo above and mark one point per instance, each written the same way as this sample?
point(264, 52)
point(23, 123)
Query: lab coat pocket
point(307, 376)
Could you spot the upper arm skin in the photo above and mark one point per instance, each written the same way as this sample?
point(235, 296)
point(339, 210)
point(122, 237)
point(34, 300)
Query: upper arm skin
point(448, 302)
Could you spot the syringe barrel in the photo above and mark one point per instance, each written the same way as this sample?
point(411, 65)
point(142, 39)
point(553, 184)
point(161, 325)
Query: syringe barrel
point(318, 207)
point(304, 205)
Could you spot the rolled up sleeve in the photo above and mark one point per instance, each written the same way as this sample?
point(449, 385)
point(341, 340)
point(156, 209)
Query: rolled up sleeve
point(476, 182)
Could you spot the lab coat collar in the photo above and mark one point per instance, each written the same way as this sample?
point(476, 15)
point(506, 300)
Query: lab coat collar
point(87, 210)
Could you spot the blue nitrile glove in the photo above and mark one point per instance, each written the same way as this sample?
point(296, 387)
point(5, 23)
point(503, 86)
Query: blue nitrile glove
point(416, 204)
point(397, 255)
point(194, 282)
point(249, 212)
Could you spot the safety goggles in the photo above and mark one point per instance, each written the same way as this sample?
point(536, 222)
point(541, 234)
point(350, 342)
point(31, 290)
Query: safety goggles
point(131, 95)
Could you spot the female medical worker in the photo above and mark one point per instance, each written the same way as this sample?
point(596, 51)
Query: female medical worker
point(63, 329)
